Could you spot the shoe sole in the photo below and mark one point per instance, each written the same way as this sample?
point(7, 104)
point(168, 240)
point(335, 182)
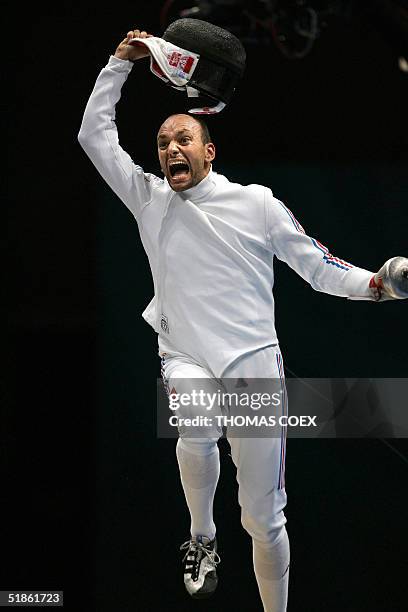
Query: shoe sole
point(206, 594)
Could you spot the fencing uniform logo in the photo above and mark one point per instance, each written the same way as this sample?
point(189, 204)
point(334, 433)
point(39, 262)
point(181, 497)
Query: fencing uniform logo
point(164, 324)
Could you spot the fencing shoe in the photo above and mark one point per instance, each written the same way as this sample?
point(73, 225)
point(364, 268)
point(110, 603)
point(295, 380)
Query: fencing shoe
point(200, 566)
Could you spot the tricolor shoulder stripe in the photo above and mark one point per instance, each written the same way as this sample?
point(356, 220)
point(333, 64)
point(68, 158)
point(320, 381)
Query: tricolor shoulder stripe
point(292, 217)
point(319, 246)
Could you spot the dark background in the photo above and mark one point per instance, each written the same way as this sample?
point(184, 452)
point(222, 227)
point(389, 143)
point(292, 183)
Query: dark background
point(91, 501)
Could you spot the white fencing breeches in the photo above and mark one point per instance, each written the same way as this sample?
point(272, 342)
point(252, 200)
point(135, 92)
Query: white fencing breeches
point(260, 463)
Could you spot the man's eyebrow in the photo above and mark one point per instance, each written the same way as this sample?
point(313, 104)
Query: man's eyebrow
point(178, 134)
point(184, 131)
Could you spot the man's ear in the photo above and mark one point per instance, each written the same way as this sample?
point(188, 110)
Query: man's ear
point(209, 151)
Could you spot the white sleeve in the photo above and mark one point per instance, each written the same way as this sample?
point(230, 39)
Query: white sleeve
point(98, 137)
point(309, 258)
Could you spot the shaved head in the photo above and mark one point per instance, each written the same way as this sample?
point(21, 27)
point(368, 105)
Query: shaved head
point(205, 133)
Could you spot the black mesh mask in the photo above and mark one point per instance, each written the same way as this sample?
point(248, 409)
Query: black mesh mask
point(221, 64)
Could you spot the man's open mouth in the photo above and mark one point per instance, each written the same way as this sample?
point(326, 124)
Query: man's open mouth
point(178, 169)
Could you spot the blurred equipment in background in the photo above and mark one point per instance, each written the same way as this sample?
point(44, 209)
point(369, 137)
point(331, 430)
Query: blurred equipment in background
point(293, 26)
point(390, 17)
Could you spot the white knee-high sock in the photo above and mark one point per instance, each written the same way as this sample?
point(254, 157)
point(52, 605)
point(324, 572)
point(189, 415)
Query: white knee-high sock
point(271, 567)
point(199, 476)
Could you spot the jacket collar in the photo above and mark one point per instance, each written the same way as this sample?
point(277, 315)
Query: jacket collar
point(202, 190)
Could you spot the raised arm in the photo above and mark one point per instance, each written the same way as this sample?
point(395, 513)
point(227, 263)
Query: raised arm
point(312, 260)
point(98, 135)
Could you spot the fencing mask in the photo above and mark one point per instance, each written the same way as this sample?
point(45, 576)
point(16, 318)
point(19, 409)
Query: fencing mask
point(200, 58)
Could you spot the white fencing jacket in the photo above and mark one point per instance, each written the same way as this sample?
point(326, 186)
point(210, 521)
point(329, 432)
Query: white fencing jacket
point(211, 247)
